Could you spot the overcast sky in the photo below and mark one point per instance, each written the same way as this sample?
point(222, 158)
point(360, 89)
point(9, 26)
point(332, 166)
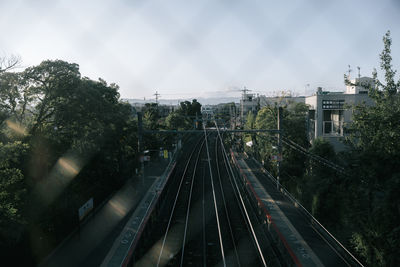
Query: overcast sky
point(195, 48)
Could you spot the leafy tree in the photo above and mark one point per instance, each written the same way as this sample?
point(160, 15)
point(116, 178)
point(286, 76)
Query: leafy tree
point(225, 112)
point(59, 116)
point(12, 193)
point(183, 117)
point(373, 190)
point(321, 188)
point(177, 121)
point(50, 84)
point(293, 125)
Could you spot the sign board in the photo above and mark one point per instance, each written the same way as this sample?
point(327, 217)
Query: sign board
point(85, 209)
point(146, 158)
point(276, 157)
point(165, 154)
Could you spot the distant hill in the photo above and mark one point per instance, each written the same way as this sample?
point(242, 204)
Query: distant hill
point(202, 100)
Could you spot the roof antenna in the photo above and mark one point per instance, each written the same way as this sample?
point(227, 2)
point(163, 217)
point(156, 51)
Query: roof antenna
point(349, 71)
point(359, 73)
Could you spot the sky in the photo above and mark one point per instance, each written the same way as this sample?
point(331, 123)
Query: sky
point(199, 48)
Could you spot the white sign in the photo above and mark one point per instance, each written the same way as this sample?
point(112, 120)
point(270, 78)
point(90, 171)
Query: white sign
point(85, 209)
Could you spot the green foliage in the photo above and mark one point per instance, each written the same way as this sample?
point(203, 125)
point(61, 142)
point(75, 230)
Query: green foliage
point(321, 187)
point(65, 123)
point(183, 118)
point(177, 121)
point(294, 115)
point(373, 189)
point(225, 112)
point(12, 192)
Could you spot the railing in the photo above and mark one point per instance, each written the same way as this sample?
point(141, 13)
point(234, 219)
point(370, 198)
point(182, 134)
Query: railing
point(332, 128)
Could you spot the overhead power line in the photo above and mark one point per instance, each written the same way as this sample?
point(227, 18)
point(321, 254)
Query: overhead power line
point(321, 160)
point(313, 156)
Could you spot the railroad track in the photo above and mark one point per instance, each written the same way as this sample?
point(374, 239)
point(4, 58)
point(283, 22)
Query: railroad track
point(206, 222)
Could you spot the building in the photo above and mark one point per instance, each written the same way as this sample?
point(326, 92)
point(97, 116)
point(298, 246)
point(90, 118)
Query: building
point(207, 111)
point(330, 112)
point(248, 103)
point(253, 103)
point(163, 110)
point(280, 100)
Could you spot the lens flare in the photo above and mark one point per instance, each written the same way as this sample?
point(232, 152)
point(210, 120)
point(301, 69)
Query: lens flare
point(16, 127)
point(68, 167)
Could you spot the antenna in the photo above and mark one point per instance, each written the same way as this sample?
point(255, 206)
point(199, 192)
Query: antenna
point(359, 73)
point(157, 95)
point(349, 71)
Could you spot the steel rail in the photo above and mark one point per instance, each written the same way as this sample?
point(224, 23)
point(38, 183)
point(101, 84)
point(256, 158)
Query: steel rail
point(215, 201)
point(190, 200)
point(257, 244)
point(224, 202)
point(175, 201)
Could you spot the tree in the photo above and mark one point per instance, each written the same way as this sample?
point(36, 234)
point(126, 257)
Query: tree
point(12, 193)
point(320, 190)
point(70, 123)
point(9, 63)
point(50, 83)
point(293, 125)
point(184, 117)
point(177, 121)
point(374, 187)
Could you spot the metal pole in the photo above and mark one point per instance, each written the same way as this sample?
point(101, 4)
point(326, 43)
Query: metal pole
point(140, 143)
point(280, 113)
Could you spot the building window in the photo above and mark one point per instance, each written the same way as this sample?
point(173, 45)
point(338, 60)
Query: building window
point(332, 104)
point(333, 122)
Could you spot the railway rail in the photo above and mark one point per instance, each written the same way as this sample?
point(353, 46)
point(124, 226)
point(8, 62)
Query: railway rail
point(208, 221)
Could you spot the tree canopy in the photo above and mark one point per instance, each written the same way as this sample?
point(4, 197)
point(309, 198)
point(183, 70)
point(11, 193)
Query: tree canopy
point(56, 125)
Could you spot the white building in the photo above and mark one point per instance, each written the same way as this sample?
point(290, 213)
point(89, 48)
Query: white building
point(329, 112)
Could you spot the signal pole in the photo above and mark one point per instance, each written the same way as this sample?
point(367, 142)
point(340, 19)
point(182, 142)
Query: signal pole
point(280, 113)
point(157, 95)
point(140, 142)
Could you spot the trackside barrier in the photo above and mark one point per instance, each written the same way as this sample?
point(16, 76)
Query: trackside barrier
point(327, 236)
point(152, 209)
point(265, 216)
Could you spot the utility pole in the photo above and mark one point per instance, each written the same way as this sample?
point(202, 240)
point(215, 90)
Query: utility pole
point(280, 113)
point(140, 142)
point(157, 95)
point(244, 90)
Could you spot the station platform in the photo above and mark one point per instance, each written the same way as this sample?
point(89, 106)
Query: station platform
point(298, 235)
point(122, 246)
